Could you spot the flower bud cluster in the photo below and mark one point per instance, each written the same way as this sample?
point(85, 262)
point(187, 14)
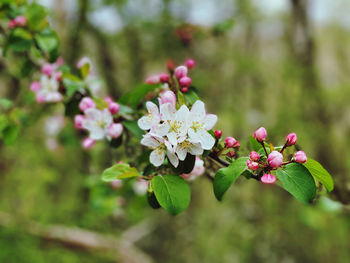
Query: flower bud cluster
point(48, 89)
point(265, 162)
point(19, 21)
point(98, 120)
point(177, 76)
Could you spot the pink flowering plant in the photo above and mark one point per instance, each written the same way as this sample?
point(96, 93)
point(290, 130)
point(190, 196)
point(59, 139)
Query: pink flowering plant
point(163, 126)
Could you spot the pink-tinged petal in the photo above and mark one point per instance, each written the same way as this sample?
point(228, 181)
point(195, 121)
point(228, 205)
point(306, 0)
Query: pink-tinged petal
point(48, 69)
point(88, 143)
point(155, 79)
point(157, 157)
point(115, 130)
point(206, 140)
point(198, 111)
point(149, 141)
point(35, 86)
point(86, 103)
point(167, 111)
point(40, 98)
point(173, 159)
point(152, 108)
point(210, 121)
point(268, 179)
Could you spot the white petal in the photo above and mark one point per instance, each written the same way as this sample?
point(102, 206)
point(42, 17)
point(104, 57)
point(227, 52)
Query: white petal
point(196, 149)
point(172, 138)
point(206, 140)
point(97, 133)
point(145, 123)
point(161, 129)
point(149, 141)
point(167, 111)
point(152, 108)
point(93, 114)
point(107, 117)
point(210, 121)
point(181, 152)
point(198, 111)
point(157, 157)
point(173, 159)
point(194, 136)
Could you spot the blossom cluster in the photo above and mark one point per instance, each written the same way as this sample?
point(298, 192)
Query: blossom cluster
point(98, 120)
point(274, 159)
point(48, 88)
point(175, 132)
point(180, 73)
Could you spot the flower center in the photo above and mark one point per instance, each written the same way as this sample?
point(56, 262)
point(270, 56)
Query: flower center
point(196, 125)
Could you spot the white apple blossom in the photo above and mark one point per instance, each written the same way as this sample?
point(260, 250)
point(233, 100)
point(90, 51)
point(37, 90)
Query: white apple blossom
point(97, 122)
point(48, 91)
point(185, 146)
point(199, 124)
point(160, 147)
point(151, 119)
point(175, 123)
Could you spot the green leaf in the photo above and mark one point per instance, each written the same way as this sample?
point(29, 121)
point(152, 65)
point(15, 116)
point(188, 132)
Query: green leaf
point(318, 172)
point(172, 192)
point(47, 40)
point(191, 97)
point(124, 110)
point(254, 144)
point(134, 97)
point(72, 83)
point(119, 171)
point(85, 70)
point(225, 177)
point(5, 104)
point(133, 128)
point(10, 134)
point(20, 40)
point(3, 122)
point(100, 103)
point(36, 16)
point(297, 180)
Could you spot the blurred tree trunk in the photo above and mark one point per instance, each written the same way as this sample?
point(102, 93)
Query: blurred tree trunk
point(302, 47)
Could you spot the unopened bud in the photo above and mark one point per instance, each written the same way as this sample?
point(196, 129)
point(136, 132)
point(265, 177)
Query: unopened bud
point(115, 130)
point(88, 143)
point(180, 72)
point(218, 134)
point(275, 159)
point(268, 179)
point(260, 134)
point(78, 121)
point(254, 156)
point(113, 107)
point(291, 139)
point(300, 157)
point(86, 103)
point(252, 165)
point(190, 63)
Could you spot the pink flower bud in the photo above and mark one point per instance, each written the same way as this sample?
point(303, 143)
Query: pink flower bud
point(86, 103)
point(83, 61)
point(116, 184)
point(170, 65)
point(88, 143)
point(184, 90)
point(291, 139)
point(59, 62)
point(190, 63)
point(254, 156)
point(113, 107)
point(231, 142)
point(12, 24)
point(300, 157)
point(275, 159)
point(268, 179)
point(35, 86)
point(168, 97)
point(58, 76)
point(180, 72)
point(218, 134)
point(21, 21)
point(185, 81)
point(231, 154)
point(40, 98)
point(252, 165)
point(260, 134)
point(115, 130)
point(153, 79)
point(78, 121)
point(108, 100)
point(164, 78)
point(48, 69)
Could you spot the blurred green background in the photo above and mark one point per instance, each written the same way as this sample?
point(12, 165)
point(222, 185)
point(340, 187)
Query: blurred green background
point(281, 64)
